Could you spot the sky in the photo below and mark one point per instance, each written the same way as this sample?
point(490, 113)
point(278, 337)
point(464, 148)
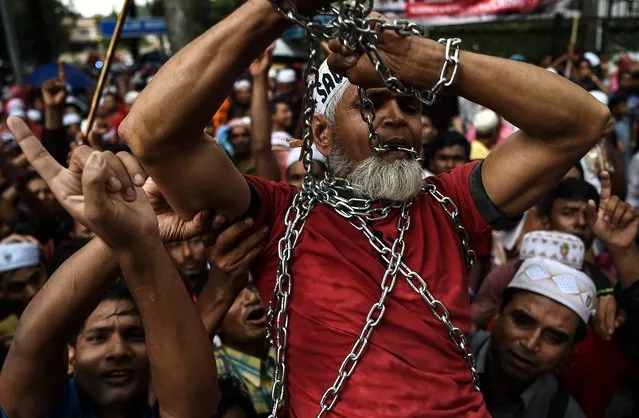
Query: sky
point(90, 8)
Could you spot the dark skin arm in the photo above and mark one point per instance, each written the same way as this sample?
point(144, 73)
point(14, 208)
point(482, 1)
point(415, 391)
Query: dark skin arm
point(164, 128)
point(265, 161)
point(184, 385)
point(36, 366)
point(533, 160)
point(615, 223)
point(230, 253)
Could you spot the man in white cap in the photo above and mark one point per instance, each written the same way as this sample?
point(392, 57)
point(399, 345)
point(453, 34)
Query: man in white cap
point(544, 312)
point(487, 125)
point(286, 82)
point(296, 172)
point(335, 283)
point(129, 99)
point(21, 271)
point(566, 214)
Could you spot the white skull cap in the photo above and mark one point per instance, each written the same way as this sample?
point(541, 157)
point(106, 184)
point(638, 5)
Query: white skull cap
point(559, 246)
point(554, 280)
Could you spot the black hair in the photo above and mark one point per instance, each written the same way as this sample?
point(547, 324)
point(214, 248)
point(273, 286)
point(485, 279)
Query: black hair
point(569, 189)
point(234, 395)
point(118, 291)
point(510, 292)
point(616, 99)
point(446, 139)
point(276, 101)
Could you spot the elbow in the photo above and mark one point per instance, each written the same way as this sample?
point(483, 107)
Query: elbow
point(135, 133)
point(596, 123)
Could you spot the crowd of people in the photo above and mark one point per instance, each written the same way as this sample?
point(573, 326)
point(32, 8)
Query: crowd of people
point(137, 262)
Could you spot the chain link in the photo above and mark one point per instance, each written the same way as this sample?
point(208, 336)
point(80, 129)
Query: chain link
point(359, 212)
point(358, 32)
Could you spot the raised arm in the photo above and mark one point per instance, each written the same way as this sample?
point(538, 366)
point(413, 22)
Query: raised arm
point(261, 124)
point(230, 253)
point(184, 378)
point(559, 122)
point(36, 367)
point(164, 128)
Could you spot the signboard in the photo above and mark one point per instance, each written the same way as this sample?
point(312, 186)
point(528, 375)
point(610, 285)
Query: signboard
point(135, 28)
point(443, 12)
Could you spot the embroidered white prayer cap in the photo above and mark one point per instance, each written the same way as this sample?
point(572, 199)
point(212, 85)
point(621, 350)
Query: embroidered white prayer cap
point(15, 256)
point(559, 246)
point(329, 85)
point(295, 153)
point(565, 285)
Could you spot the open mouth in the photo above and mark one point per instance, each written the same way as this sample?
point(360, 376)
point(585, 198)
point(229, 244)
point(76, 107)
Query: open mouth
point(257, 316)
point(118, 377)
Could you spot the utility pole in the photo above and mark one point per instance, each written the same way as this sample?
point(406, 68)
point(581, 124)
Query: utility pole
point(591, 15)
point(12, 40)
point(186, 20)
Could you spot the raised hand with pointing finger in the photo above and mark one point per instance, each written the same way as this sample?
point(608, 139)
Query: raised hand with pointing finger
point(124, 173)
point(614, 222)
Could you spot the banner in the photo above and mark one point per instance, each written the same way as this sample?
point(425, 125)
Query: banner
point(443, 12)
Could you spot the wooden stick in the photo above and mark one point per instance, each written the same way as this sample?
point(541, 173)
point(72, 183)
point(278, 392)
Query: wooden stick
point(107, 64)
point(573, 42)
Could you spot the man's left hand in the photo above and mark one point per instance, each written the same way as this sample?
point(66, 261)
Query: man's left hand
point(615, 222)
point(395, 50)
point(171, 226)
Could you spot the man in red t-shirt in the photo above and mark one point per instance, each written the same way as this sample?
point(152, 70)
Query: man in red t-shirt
point(410, 367)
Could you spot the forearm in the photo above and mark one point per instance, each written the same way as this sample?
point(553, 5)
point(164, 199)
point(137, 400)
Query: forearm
point(626, 262)
point(36, 365)
point(53, 117)
point(261, 126)
point(192, 85)
point(523, 94)
point(183, 385)
point(215, 300)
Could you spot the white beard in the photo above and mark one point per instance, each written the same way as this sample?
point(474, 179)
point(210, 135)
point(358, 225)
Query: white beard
point(376, 178)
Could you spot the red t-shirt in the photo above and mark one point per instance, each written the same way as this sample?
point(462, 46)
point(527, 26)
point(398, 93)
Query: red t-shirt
point(410, 367)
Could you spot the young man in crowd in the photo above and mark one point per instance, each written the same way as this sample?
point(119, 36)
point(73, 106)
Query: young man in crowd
point(22, 274)
point(429, 131)
point(296, 172)
point(544, 312)
point(448, 150)
point(487, 126)
point(281, 115)
point(564, 209)
point(111, 361)
point(196, 174)
point(231, 308)
point(189, 257)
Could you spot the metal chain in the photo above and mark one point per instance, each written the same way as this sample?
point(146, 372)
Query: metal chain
point(375, 314)
point(360, 33)
point(336, 193)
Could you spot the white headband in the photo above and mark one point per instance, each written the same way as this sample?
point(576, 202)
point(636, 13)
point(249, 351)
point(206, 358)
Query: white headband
point(330, 84)
point(15, 256)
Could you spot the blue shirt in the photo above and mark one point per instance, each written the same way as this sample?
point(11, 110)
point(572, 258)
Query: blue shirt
point(71, 405)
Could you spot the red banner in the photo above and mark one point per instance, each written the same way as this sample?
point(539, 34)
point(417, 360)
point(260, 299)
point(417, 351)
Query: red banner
point(461, 8)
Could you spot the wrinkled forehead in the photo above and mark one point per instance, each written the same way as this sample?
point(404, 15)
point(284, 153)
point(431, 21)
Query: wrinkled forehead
point(547, 312)
point(113, 314)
